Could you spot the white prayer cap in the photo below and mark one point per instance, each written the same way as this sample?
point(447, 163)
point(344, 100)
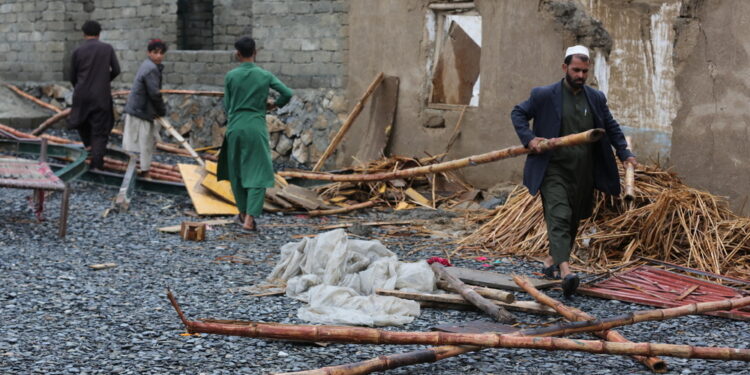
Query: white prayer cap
point(577, 50)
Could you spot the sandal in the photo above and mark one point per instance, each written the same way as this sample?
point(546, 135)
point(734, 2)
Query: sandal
point(552, 272)
point(570, 284)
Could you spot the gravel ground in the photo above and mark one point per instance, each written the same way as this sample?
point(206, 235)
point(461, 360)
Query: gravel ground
point(60, 317)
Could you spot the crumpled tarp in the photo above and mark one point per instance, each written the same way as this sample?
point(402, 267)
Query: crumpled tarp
point(337, 277)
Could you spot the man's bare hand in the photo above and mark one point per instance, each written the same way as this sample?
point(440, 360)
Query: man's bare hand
point(535, 144)
point(631, 161)
point(538, 144)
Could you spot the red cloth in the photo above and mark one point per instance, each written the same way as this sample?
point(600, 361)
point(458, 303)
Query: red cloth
point(440, 260)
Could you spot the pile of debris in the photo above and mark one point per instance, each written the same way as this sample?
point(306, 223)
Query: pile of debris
point(667, 221)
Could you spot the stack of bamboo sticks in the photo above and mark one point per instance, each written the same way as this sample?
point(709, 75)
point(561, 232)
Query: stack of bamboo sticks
point(667, 220)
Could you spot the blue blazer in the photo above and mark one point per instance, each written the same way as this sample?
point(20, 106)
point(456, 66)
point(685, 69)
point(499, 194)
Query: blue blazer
point(544, 106)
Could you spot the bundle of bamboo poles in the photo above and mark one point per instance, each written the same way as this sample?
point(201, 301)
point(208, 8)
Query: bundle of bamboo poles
point(666, 220)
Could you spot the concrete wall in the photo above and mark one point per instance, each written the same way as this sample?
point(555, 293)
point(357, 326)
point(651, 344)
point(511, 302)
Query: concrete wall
point(711, 137)
point(302, 42)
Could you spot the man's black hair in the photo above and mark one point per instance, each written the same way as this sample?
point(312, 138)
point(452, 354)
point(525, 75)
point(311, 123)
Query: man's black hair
point(157, 44)
point(245, 46)
point(91, 28)
point(581, 57)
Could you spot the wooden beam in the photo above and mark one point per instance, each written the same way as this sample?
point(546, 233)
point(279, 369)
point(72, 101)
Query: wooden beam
point(348, 122)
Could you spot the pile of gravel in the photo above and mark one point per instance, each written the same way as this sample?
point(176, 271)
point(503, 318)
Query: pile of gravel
point(61, 317)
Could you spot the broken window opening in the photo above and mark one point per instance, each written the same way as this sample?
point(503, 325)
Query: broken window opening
point(195, 23)
point(454, 71)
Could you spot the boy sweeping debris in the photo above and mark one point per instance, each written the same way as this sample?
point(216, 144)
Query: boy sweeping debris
point(145, 102)
point(245, 158)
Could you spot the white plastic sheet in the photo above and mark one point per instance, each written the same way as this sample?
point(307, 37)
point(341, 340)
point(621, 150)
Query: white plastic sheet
point(337, 277)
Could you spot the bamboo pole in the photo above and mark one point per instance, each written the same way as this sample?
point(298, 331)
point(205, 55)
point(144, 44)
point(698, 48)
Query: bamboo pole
point(629, 176)
point(496, 294)
point(588, 136)
point(164, 123)
point(168, 91)
point(653, 363)
point(32, 98)
point(496, 312)
point(361, 335)
point(434, 354)
point(348, 122)
point(50, 121)
point(342, 210)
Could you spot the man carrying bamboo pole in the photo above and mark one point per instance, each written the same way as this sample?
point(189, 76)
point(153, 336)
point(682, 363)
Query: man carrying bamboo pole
point(245, 158)
point(566, 177)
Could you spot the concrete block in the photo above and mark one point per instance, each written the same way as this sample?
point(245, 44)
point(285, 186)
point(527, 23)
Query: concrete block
point(309, 45)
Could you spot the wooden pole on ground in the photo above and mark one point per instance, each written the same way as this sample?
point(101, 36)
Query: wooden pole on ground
point(50, 121)
point(654, 363)
point(496, 312)
point(32, 98)
point(588, 136)
point(496, 294)
point(348, 122)
point(360, 335)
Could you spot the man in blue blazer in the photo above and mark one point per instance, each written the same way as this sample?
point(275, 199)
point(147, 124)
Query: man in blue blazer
point(566, 177)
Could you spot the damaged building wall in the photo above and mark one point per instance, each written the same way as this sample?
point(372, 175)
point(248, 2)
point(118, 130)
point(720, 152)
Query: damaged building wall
point(710, 138)
point(637, 74)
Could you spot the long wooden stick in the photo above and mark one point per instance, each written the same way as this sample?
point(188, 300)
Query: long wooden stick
point(164, 123)
point(377, 336)
point(342, 210)
point(496, 294)
point(32, 98)
point(50, 121)
point(348, 122)
point(568, 140)
point(496, 312)
point(654, 363)
point(456, 299)
point(168, 91)
point(434, 354)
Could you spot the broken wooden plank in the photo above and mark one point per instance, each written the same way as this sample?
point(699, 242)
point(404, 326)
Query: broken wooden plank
point(456, 299)
point(377, 127)
point(222, 189)
point(193, 231)
point(348, 122)
point(302, 197)
point(495, 280)
point(204, 202)
point(176, 228)
point(272, 194)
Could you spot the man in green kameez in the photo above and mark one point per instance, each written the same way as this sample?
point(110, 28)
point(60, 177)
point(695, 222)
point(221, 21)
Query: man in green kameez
point(245, 158)
point(566, 177)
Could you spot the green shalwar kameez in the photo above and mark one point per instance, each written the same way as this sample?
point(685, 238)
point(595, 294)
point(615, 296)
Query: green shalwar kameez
point(568, 185)
point(245, 158)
